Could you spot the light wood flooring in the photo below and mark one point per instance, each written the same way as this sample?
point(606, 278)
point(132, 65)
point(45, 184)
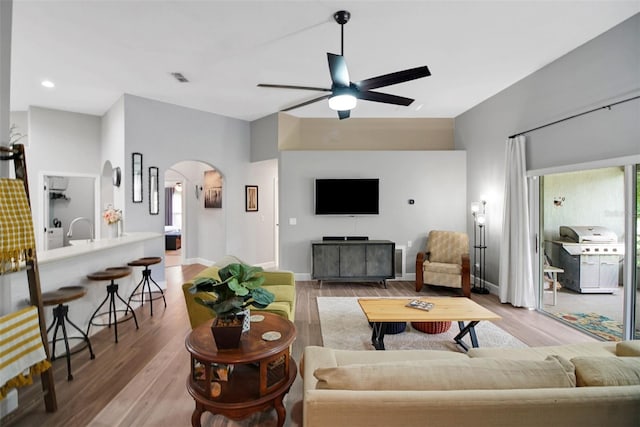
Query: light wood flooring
point(141, 381)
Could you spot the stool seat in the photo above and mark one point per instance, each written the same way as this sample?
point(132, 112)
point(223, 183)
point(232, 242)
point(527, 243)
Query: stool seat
point(145, 262)
point(62, 295)
point(110, 273)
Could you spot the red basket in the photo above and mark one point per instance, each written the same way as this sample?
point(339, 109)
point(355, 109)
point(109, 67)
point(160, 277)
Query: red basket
point(431, 327)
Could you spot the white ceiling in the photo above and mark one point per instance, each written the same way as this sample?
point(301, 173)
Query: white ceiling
point(94, 51)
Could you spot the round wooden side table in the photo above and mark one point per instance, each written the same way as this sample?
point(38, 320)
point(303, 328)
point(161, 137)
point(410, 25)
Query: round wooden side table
point(238, 382)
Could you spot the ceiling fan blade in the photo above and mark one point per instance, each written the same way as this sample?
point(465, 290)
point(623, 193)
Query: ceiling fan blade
point(344, 114)
point(338, 70)
point(322, 89)
point(302, 104)
point(393, 78)
point(385, 97)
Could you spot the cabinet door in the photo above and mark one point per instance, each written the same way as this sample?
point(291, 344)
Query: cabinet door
point(352, 260)
point(380, 260)
point(326, 261)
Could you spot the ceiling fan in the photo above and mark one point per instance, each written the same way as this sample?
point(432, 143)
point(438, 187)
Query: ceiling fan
point(344, 93)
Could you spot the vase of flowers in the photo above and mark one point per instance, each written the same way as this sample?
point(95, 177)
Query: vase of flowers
point(113, 218)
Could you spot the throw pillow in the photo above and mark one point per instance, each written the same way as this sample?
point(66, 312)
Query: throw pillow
point(456, 374)
point(628, 348)
point(607, 371)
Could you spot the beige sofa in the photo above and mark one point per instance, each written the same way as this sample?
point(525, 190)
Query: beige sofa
point(485, 387)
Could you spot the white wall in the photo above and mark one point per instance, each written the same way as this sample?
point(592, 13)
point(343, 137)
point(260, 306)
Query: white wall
point(603, 70)
point(436, 180)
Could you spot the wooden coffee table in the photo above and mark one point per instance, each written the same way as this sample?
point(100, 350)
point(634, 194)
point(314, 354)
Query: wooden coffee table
point(262, 373)
point(380, 311)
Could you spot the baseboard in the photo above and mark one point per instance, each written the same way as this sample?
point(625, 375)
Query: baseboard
point(9, 403)
point(493, 289)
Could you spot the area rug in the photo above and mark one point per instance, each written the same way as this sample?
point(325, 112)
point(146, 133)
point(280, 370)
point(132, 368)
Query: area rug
point(594, 323)
point(344, 326)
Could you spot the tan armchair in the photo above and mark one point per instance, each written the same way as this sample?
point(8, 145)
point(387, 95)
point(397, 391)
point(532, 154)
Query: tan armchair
point(445, 262)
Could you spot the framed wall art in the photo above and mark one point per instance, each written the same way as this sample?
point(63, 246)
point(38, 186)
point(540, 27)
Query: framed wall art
point(136, 168)
point(212, 189)
point(154, 193)
point(251, 198)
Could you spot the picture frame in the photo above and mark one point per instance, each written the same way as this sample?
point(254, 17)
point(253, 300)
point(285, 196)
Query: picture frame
point(251, 198)
point(154, 192)
point(212, 189)
point(136, 171)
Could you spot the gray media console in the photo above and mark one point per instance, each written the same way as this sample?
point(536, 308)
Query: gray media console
point(353, 260)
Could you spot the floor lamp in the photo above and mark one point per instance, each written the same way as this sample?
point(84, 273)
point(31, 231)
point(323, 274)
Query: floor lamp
point(479, 247)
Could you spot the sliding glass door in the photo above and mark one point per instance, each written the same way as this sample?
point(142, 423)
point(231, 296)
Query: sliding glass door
point(634, 304)
point(588, 249)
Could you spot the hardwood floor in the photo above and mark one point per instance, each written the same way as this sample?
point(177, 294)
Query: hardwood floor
point(141, 381)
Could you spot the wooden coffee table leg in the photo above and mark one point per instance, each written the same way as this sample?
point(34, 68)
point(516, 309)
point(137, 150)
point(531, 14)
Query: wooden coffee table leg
point(197, 414)
point(464, 330)
point(280, 410)
point(377, 334)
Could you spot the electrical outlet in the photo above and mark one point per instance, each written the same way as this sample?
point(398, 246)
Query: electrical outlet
point(409, 243)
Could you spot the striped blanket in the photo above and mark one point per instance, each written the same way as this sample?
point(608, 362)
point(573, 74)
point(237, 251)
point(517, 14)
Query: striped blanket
point(21, 351)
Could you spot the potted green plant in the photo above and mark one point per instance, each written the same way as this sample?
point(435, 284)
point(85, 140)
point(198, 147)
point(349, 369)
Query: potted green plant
point(239, 287)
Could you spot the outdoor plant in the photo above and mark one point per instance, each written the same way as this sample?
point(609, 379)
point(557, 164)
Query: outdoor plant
point(239, 287)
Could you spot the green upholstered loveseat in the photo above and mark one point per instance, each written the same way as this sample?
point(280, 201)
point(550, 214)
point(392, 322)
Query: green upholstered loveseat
point(281, 283)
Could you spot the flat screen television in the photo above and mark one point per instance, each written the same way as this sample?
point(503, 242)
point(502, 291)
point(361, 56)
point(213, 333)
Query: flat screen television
point(346, 196)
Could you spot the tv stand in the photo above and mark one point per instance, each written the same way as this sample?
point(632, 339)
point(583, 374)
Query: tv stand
point(353, 260)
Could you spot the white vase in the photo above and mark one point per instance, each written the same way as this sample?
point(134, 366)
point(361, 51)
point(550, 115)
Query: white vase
point(112, 230)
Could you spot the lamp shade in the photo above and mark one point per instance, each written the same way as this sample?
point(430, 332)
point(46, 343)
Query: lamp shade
point(481, 218)
point(475, 207)
point(343, 102)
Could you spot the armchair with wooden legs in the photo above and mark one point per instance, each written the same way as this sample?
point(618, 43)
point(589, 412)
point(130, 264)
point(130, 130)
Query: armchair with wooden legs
point(445, 262)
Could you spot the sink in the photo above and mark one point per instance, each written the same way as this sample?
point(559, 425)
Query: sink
point(79, 242)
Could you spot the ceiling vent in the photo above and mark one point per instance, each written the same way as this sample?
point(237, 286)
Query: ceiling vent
point(179, 77)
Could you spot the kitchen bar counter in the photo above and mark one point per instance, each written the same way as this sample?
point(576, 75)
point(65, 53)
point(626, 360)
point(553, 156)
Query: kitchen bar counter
point(82, 247)
point(69, 266)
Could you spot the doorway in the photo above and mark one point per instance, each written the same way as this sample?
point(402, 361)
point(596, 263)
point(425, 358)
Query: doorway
point(584, 243)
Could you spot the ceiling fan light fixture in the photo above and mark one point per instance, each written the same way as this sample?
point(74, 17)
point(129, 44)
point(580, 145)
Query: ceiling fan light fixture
point(343, 102)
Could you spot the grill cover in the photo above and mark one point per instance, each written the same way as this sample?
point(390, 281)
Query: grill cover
point(587, 234)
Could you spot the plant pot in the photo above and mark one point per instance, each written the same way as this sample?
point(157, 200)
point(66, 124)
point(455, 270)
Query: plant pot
point(227, 333)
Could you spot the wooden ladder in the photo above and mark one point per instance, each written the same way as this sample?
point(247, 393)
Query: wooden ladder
point(16, 153)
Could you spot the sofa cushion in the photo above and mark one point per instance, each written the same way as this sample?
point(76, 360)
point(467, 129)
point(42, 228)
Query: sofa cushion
point(440, 267)
point(281, 292)
point(628, 348)
point(454, 374)
point(607, 371)
point(568, 351)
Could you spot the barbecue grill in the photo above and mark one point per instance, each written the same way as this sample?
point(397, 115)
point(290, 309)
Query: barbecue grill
point(590, 258)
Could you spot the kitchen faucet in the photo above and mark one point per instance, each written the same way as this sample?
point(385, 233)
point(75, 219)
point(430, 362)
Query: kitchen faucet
point(81, 218)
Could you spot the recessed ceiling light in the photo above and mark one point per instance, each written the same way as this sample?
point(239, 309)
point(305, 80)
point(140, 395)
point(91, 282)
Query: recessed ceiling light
point(48, 84)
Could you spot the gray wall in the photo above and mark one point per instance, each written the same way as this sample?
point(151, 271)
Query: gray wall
point(166, 134)
point(264, 138)
point(436, 180)
point(601, 71)
point(60, 143)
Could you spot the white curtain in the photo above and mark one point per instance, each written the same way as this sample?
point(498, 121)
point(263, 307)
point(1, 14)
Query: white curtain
point(516, 272)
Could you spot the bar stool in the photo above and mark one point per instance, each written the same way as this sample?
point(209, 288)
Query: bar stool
point(111, 274)
point(146, 282)
point(61, 317)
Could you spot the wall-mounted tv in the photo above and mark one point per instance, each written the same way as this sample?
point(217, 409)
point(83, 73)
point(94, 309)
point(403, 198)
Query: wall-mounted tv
point(347, 196)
